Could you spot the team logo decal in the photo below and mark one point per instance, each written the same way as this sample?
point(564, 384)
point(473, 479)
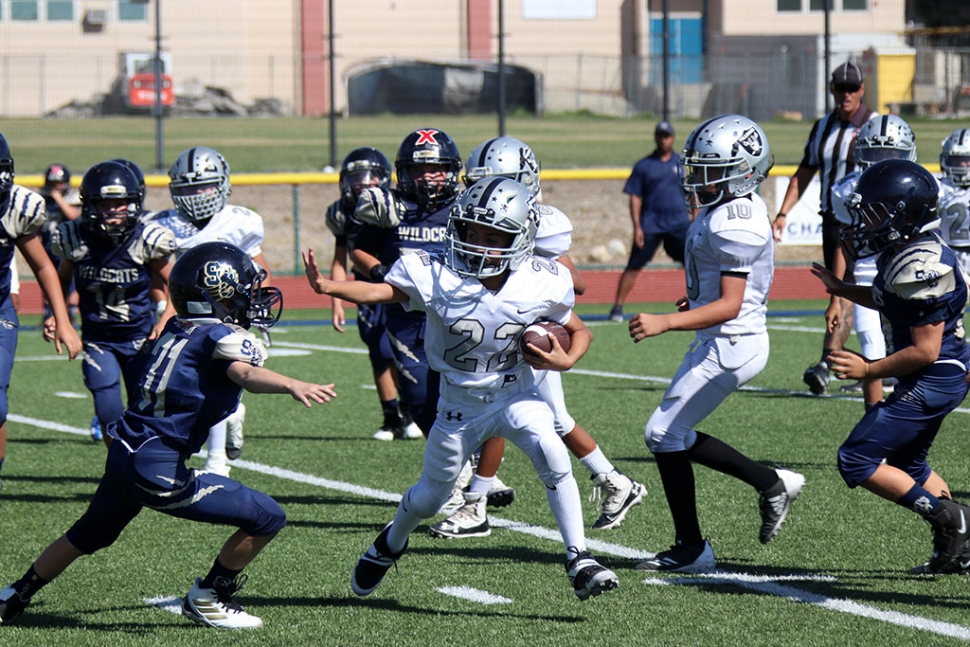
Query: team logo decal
point(426, 137)
point(750, 141)
point(220, 279)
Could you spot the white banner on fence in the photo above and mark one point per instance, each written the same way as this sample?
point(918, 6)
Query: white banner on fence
point(803, 225)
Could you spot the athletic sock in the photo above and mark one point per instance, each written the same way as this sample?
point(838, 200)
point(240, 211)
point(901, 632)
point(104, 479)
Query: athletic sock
point(920, 500)
point(217, 571)
point(596, 462)
point(29, 584)
point(677, 476)
point(717, 455)
point(392, 418)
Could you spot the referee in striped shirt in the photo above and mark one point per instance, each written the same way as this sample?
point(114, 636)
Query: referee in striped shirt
point(828, 152)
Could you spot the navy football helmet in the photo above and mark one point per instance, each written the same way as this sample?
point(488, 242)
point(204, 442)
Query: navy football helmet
point(428, 146)
point(361, 168)
point(109, 181)
point(219, 281)
point(499, 203)
point(136, 170)
point(6, 170)
point(894, 202)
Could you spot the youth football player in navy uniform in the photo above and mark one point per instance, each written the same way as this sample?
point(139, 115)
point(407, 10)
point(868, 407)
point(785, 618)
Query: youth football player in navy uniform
point(112, 257)
point(22, 217)
point(204, 359)
point(479, 296)
point(921, 294)
point(400, 221)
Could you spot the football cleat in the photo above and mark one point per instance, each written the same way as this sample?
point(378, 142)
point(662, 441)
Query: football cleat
point(616, 314)
point(499, 494)
point(234, 432)
point(855, 387)
point(681, 558)
point(373, 565)
point(817, 378)
point(619, 494)
point(776, 502)
point(587, 576)
point(469, 520)
point(214, 607)
point(457, 497)
point(951, 531)
point(11, 605)
point(96, 434)
point(410, 431)
point(384, 433)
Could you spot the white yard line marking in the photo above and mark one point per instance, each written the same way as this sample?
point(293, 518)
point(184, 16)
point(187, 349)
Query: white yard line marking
point(71, 395)
point(473, 595)
point(170, 603)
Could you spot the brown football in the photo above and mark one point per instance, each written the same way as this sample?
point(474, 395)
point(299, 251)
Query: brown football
point(538, 335)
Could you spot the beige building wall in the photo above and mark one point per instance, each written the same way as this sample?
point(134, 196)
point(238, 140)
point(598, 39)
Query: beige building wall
point(753, 17)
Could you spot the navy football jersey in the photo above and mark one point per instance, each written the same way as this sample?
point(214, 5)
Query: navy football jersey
point(922, 284)
point(185, 389)
point(113, 282)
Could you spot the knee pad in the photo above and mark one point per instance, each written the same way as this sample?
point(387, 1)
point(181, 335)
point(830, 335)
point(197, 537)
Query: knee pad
point(854, 468)
point(556, 458)
point(425, 498)
point(270, 517)
point(660, 439)
point(872, 343)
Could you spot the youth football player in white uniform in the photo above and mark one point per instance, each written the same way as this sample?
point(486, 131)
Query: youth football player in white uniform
point(512, 158)
point(882, 137)
point(199, 184)
point(478, 298)
point(729, 267)
point(954, 207)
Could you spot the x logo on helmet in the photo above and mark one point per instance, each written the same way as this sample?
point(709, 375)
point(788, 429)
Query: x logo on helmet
point(426, 137)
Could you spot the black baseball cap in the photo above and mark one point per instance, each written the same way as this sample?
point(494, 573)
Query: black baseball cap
point(847, 73)
point(664, 128)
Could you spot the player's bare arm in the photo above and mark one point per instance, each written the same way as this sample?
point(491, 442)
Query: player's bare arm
point(257, 379)
point(338, 272)
point(716, 312)
point(927, 342)
point(355, 291)
point(40, 264)
point(861, 294)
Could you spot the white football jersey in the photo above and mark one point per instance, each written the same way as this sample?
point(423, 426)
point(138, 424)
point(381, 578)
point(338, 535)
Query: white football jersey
point(555, 234)
point(25, 215)
point(472, 333)
point(238, 226)
point(731, 237)
point(954, 214)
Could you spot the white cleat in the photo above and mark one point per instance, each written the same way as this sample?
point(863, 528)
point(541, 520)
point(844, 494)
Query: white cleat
point(215, 608)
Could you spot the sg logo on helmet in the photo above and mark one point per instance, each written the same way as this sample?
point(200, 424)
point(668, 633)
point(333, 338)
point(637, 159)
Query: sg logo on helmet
point(220, 279)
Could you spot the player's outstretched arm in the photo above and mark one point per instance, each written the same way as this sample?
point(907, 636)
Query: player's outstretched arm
point(257, 379)
point(356, 291)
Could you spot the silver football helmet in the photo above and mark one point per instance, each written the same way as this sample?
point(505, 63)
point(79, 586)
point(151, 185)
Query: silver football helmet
point(503, 157)
point(726, 155)
point(199, 183)
point(498, 203)
point(882, 138)
point(955, 157)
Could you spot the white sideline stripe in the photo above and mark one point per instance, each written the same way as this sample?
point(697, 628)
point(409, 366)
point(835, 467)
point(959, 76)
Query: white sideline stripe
point(473, 595)
point(820, 331)
point(768, 586)
point(841, 605)
point(170, 603)
point(73, 395)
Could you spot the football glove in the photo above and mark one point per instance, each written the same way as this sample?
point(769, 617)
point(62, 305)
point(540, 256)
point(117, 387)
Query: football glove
point(379, 207)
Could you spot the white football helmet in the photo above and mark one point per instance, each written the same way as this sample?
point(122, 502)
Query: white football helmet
point(955, 157)
point(503, 157)
point(199, 183)
point(726, 155)
point(498, 203)
point(882, 138)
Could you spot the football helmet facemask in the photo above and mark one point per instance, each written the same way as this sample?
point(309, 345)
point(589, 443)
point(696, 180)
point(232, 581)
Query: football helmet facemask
point(219, 281)
point(724, 156)
point(363, 168)
point(894, 202)
point(6, 170)
point(103, 184)
point(428, 146)
point(503, 157)
point(499, 203)
point(199, 183)
point(955, 157)
point(882, 138)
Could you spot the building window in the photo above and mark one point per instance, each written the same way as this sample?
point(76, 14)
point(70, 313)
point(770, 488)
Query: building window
point(819, 5)
point(60, 10)
point(855, 5)
point(789, 5)
point(132, 10)
point(23, 10)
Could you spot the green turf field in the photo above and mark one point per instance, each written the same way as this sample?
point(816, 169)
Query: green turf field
point(297, 144)
point(835, 575)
